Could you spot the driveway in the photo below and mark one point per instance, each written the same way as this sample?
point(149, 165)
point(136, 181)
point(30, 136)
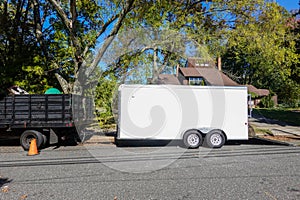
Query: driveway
point(275, 130)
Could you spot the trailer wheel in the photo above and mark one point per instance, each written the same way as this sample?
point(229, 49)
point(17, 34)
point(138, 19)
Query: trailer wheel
point(28, 135)
point(214, 139)
point(192, 139)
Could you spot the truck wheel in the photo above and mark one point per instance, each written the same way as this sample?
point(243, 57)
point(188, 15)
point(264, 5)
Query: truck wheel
point(28, 135)
point(192, 139)
point(214, 139)
point(45, 140)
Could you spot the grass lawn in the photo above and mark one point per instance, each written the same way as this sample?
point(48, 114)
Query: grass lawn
point(289, 116)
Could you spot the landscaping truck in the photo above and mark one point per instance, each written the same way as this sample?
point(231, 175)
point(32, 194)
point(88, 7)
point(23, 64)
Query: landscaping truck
point(194, 114)
point(47, 117)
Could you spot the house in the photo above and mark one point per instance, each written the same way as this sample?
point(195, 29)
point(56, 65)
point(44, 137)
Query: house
point(200, 72)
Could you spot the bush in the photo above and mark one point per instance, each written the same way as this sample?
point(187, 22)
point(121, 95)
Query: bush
point(267, 102)
point(289, 94)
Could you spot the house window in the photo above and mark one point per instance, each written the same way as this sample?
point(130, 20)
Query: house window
point(196, 81)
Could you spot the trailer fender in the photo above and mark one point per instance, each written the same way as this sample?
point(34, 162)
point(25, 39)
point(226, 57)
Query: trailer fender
point(205, 130)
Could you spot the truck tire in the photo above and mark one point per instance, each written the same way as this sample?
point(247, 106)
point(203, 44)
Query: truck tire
point(28, 135)
point(214, 139)
point(192, 139)
point(45, 140)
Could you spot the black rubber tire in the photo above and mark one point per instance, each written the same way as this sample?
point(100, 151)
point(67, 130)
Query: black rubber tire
point(192, 139)
point(45, 140)
point(29, 135)
point(214, 139)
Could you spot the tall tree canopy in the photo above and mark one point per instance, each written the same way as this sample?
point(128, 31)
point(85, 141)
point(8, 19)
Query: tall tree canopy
point(67, 39)
point(261, 50)
point(22, 58)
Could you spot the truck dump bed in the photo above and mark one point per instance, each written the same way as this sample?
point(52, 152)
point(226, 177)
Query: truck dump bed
point(42, 111)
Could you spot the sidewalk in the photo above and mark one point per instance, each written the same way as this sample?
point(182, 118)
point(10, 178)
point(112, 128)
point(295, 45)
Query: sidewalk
point(275, 130)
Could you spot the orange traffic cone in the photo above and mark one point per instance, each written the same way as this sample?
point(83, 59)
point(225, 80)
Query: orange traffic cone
point(33, 148)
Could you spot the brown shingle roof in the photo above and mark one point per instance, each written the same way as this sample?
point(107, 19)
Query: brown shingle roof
point(190, 72)
point(211, 75)
point(264, 92)
point(168, 79)
point(259, 92)
point(253, 89)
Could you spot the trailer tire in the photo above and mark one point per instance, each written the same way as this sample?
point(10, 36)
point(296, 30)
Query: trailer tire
point(28, 135)
point(214, 139)
point(192, 139)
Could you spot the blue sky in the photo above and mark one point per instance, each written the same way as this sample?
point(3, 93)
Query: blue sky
point(289, 4)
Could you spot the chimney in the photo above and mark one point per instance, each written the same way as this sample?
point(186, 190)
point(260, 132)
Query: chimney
point(219, 64)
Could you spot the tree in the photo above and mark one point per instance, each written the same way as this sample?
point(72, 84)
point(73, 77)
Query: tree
point(104, 99)
point(213, 25)
point(21, 57)
point(84, 22)
point(261, 51)
point(164, 33)
point(71, 39)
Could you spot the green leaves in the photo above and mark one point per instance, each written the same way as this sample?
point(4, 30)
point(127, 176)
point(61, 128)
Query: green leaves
point(257, 39)
point(105, 92)
point(261, 51)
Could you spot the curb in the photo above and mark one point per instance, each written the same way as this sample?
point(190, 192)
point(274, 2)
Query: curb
point(96, 139)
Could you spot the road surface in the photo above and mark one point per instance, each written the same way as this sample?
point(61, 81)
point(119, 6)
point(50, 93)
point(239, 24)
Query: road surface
point(108, 172)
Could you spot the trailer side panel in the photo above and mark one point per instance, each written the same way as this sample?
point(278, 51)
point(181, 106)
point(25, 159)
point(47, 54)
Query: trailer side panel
point(167, 111)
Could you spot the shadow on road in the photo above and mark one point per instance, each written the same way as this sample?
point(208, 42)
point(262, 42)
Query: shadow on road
point(255, 141)
point(153, 143)
point(12, 142)
point(4, 181)
point(150, 143)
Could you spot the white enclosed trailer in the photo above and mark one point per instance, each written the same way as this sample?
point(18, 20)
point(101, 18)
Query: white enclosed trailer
point(194, 114)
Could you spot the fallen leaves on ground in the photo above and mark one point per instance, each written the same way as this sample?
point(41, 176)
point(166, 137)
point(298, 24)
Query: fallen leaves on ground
point(23, 197)
point(5, 189)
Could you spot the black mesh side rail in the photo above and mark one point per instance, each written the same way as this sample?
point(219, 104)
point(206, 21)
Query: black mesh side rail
point(36, 110)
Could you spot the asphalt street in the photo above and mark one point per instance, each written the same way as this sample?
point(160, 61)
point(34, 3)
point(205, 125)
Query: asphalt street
point(108, 172)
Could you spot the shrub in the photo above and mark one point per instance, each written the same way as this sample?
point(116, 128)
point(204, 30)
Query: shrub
point(267, 102)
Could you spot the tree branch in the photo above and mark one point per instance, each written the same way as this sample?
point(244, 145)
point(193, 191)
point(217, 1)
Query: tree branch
point(73, 16)
point(110, 37)
point(67, 23)
point(103, 29)
point(61, 14)
point(38, 28)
